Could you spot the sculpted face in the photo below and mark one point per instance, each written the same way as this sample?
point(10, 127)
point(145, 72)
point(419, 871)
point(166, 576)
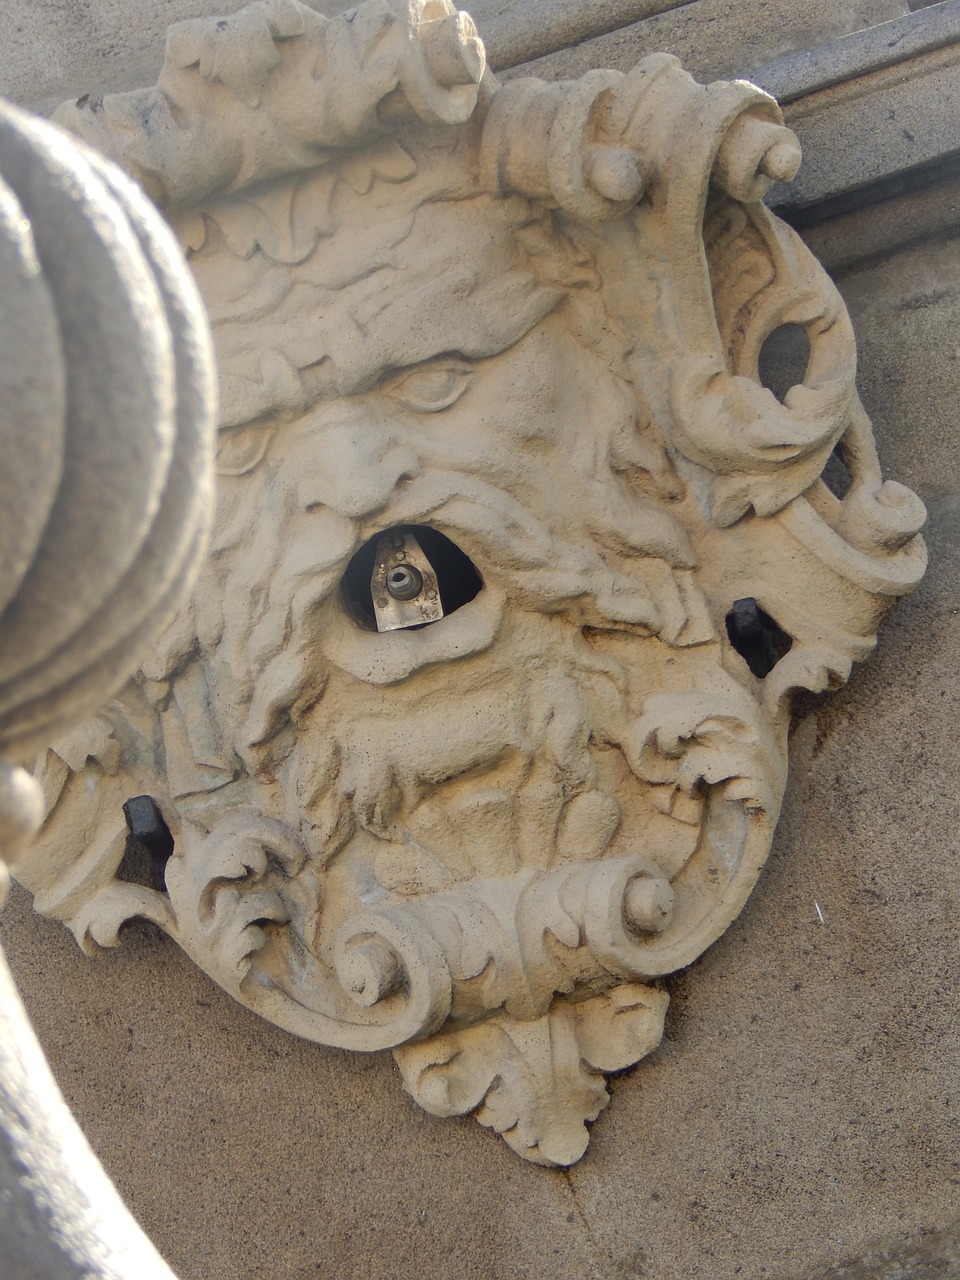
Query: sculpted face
point(450, 825)
point(509, 735)
point(531, 457)
point(481, 840)
point(463, 746)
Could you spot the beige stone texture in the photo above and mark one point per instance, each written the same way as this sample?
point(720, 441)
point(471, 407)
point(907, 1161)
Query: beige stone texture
point(891, 123)
point(477, 818)
point(799, 1120)
point(55, 48)
point(714, 38)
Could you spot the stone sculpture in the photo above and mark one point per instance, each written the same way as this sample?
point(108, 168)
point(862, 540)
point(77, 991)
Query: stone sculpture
point(476, 724)
point(107, 413)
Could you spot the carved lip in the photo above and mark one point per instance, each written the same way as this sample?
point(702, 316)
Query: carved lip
point(386, 657)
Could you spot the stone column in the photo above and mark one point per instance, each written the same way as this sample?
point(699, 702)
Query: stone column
point(106, 418)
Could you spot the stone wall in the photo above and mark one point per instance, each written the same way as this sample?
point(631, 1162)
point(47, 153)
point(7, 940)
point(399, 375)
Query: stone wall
point(800, 1120)
point(55, 49)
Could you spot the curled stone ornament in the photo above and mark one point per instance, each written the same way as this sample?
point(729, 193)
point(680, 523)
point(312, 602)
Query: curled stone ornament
point(499, 344)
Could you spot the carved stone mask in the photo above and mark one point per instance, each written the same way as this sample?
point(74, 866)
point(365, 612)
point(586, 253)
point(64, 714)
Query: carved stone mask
point(476, 726)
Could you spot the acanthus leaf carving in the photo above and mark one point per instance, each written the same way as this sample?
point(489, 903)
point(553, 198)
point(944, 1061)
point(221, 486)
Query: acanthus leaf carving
point(539, 1082)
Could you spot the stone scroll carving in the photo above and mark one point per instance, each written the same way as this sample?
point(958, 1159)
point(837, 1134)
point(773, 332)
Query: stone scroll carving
point(476, 724)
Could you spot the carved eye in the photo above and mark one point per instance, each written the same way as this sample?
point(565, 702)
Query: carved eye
point(240, 449)
point(430, 387)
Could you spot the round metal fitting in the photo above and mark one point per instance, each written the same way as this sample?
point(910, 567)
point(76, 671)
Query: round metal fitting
point(404, 581)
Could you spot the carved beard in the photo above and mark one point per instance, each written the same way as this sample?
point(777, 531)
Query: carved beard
point(572, 726)
point(506, 768)
point(467, 790)
point(614, 558)
point(512, 763)
point(284, 638)
point(521, 752)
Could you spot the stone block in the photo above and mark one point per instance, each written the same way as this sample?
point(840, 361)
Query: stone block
point(715, 38)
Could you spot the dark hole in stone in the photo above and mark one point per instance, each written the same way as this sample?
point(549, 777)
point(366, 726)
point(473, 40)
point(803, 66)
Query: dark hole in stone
point(457, 575)
point(836, 475)
point(149, 844)
point(783, 359)
point(759, 640)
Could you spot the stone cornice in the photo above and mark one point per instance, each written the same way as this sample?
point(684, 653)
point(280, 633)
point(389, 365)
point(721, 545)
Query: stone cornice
point(794, 75)
point(870, 110)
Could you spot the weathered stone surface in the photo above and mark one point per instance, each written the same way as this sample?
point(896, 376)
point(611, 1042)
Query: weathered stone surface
point(795, 75)
point(717, 37)
point(476, 725)
point(918, 211)
point(769, 1180)
point(341, 1180)
point(806, 1091)
point(516, 31)
point(60, 1219)
point(878, 128)
point(519, 30)
point(54, 50)
point(930, 1255)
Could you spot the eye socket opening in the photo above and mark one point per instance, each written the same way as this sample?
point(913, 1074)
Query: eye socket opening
point(458, 578)
point(783, 359)
point(759, 639)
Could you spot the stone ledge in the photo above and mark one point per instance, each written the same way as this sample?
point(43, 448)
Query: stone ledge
point(877, 115)
point(712, 38)
point(921, 207)
point(517, 30)
point(875, 128)
point(795, 74)
point(876, 110)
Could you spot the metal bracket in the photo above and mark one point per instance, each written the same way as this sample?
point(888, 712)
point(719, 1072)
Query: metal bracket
point(404, 584)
